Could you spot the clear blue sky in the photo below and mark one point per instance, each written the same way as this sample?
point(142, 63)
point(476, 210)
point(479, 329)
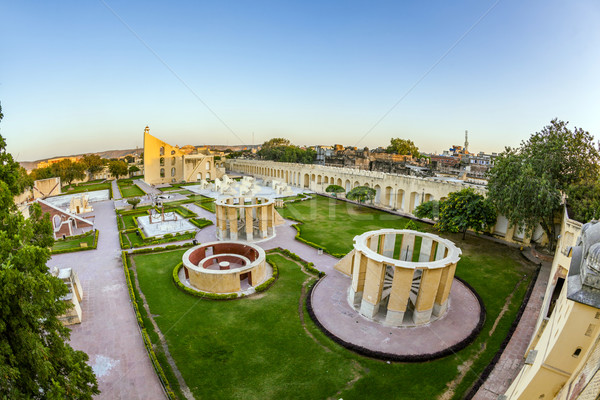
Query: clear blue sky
point(74, 78)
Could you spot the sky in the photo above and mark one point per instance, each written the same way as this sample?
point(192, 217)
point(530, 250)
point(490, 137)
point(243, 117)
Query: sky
point(87, 76)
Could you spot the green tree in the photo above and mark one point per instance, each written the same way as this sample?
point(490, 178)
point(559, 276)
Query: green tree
point(361, 194)
point(68, 171)
point(583, 201)
point(526, 184)
point(93, 164)
point(132, 169)
point(464, 210)
point(429, 209)
point(403, 147)
point(280, 149)
point(41, 173)
point(36, 360)
point(134, 201)
point(335, 189)
point(117, 168)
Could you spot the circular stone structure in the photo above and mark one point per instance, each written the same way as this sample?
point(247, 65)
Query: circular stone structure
point(400, 277)
point(243, 218)
point(224, 267)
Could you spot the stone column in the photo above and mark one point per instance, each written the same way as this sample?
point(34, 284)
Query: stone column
point(359, 270)
point(221, 223)
point(233, 223)
point(373, 287)
point(270, 210)
point(441, 299)
point(428, 289)
point(262, 224)
point(399, 295)
point(389, 244)
point(249, 225)
point(408, 245)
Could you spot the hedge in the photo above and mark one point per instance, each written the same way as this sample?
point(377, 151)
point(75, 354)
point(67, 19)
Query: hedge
point(158, 249)
point(308, 265)
point(147, 343)
point(92, 247)
point(201, 222)
point(197, 293)
point(150, 241)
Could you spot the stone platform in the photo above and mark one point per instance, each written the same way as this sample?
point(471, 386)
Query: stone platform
point(453, 331)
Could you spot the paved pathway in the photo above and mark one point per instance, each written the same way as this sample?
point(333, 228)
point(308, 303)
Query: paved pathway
point(116, 194)
point(512, 358)
point(330, 305)
point(109, 333)
point(146, 188)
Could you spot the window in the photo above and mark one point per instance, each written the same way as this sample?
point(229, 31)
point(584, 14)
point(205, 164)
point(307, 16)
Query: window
point(207, 175)
point(162, 161)
point(162, 172)
point(208, 165)
point(172, 152)
point(577, 352)
point(172, 160)
point(173, 171)
point(162, 151)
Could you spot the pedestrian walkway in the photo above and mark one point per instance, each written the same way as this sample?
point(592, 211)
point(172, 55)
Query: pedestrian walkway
point(116, 193)
point(109, 332)
point(513, 356)
point(146, 188)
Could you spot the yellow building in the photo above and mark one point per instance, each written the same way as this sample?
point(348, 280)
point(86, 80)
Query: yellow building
point(563, 358)
point(47, 163)
point(164, 163)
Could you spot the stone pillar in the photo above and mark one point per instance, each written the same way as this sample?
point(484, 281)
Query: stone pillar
point(425, 252)
point(399, 296)
point(428, 289)
point(373, 287)
point(408, 245)
point(270, 210)
point(221, 223)
point(249, 224)
point(262, 224)
point(441, 299)
point(233, 223)
point(389, 244)
point(359, 270)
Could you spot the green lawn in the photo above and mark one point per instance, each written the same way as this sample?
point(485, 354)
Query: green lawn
point(86, 187)
point(74, 242)
point(184, 212)
point(134, 240)
point(257, 348)
point(127, 221)
point(130, 190)
point(207, 203)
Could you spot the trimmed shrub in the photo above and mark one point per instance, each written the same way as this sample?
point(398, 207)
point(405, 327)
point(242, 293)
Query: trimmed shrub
point(197, 293)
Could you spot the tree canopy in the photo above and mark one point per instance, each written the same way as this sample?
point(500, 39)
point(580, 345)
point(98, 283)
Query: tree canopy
point(118, 168)
point(464, 210)
point(93, 164)
point(429, 209)
point(403, 147)
point(68, 171)
point(36, 360)
point(335, 189)
point(526, 184)
point(280, 149)
point(361, 194)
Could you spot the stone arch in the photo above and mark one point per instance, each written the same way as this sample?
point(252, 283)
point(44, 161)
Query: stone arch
point(339, 182)
point(326, 180)
point(306, 180)
point(377, 194)
point(319, 179)
point(413, 201)
point(348, 186)
point(400, 199)
point(356, 184)
point(388, 198)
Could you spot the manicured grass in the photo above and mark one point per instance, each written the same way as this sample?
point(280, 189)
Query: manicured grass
point(127, 221)
point(133, 239)
point(86, 187)
point(257, 348)
point(131, 190)
point(207, 203)
point(345, 219)
point(184, 212)
point(241, 349)
point(74, 243)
